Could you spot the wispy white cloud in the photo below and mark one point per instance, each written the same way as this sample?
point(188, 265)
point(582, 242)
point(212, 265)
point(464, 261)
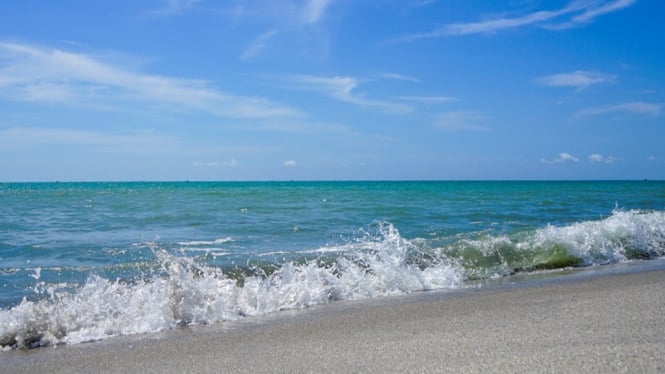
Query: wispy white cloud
point(31, 73)
point(140, 142)
point(499, 24)
point(215, 164)
point(656, 159)
point(290, 163)
point(309, 128)
point(121, 144)
point(636, 107)
point(428, 100)
point(604, 8)
point(314, 10)
point(399, 77)
point(257, 45)
point(342, 88)
point(282, 13)
point(461, 121)
point(579, 79)
point(576, 13)
point(563, 157)
point(173, 7)
point(598, 158)
point(301, 127)
point(422, 3)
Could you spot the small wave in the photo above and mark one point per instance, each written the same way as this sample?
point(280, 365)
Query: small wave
point(218, 251)
point(183, 291)
point(199, 243)
point(624, 236)
point(331, 249)
point(188, 293)
point(338, 249)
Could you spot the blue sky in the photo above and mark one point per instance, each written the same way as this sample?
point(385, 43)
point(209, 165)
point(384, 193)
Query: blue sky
point(331, 89)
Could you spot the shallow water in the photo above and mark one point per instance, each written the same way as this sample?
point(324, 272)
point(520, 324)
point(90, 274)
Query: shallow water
point(82, 262)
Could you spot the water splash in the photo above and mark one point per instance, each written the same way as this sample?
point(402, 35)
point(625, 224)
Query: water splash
point(623, 236)
point(179, 290)
point(184, 292)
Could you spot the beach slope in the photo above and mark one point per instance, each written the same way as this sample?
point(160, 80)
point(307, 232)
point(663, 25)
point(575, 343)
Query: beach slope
point(613, 323)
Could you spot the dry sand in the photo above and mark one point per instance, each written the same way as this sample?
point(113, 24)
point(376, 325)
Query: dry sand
point(609, 324)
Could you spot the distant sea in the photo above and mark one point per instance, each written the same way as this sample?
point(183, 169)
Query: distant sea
point(86, 261)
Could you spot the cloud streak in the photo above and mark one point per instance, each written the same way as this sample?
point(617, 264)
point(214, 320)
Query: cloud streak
point(428, 100)
point(579, 79)
point(216, 164)
point(141, 142)
point(461, 121)
point(314, 10)
point(636, 108)
point(399, 77)
point(39, 74)
point(257, 45)
point(121, 144)
point(604, 8)
point(285, 13)
point(576, 13)
point(343, 89)
point(173, 7)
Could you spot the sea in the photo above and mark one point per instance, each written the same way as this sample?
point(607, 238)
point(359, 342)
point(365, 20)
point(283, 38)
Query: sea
point(82, 262)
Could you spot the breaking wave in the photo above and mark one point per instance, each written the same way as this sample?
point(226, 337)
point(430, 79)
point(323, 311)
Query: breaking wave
point(181, 290)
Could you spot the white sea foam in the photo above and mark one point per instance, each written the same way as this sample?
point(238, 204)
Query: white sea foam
point(37, 274)
point(185, 292)
point(206, 246)
point(218, 251)
point(321, 250)
point(623, 236)
point(332, 249)
point(189, 293)
point(198, 243)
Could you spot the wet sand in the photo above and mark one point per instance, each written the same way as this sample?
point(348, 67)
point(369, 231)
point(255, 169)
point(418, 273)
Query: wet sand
point(613, 323)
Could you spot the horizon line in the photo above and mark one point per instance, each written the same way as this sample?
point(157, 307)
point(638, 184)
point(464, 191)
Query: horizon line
point(336, 180)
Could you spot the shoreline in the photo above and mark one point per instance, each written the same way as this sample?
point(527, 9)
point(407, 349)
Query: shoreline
point(609, 321)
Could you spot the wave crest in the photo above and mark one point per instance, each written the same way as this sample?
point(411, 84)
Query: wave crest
point(623, 236)
point(184, 291)
point(188, 293)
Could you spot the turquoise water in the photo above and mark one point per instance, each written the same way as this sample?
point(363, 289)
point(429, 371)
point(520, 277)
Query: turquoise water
point(85, 261)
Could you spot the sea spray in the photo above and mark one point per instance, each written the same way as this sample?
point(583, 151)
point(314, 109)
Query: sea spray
point(185, 292)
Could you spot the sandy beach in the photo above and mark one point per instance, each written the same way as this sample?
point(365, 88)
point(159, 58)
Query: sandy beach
point(612, 323)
